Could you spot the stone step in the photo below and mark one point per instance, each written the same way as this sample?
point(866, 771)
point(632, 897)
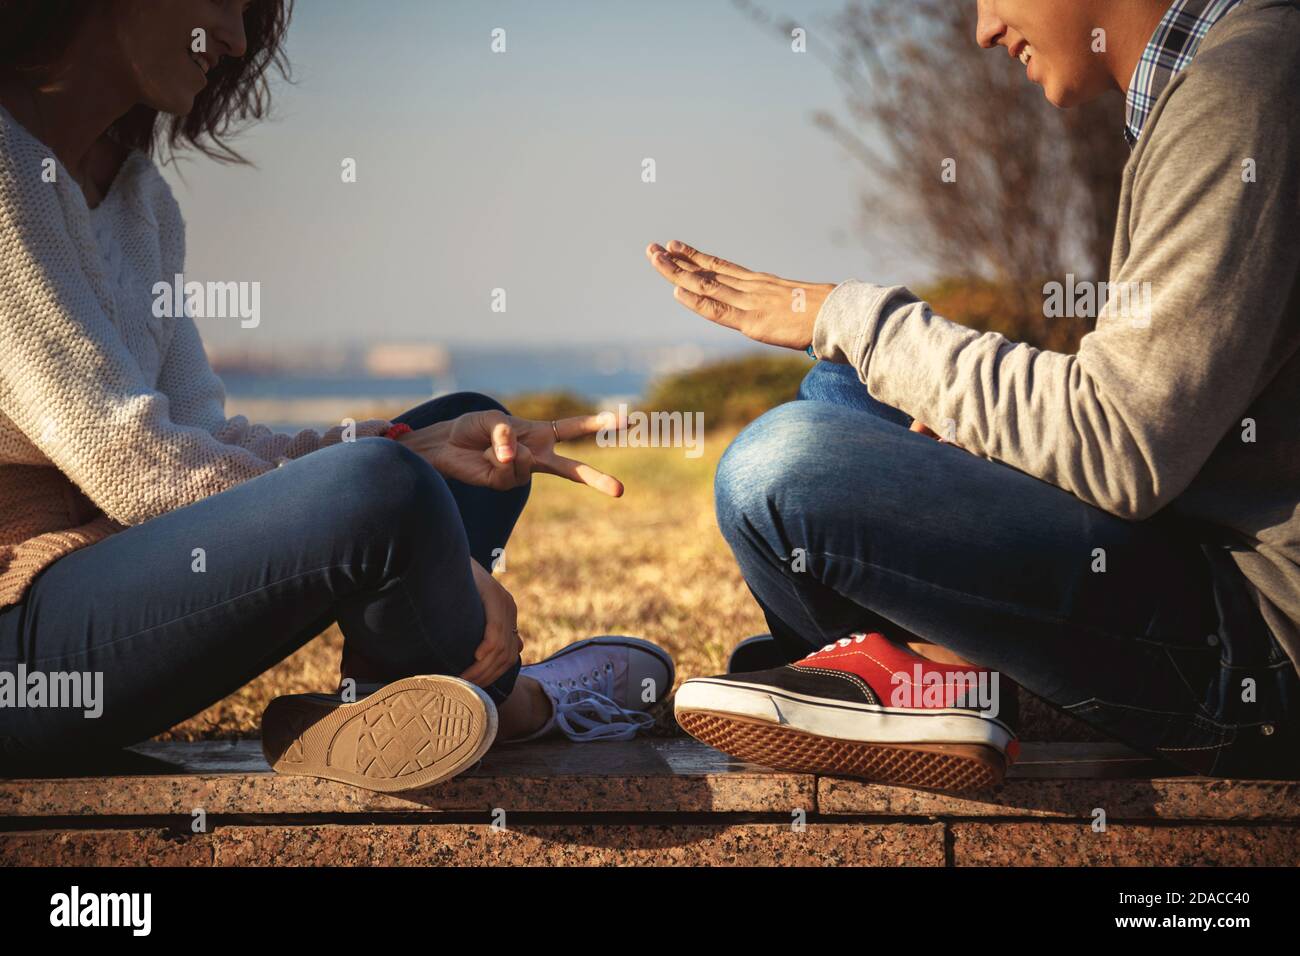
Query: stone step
point(223, 777)
point(647, 801)
point(646, 775)
point(919, 843)
point(481, 844)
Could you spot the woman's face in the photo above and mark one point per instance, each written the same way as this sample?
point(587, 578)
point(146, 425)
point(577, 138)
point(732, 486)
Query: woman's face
point(1054, 39)
point(157, 41)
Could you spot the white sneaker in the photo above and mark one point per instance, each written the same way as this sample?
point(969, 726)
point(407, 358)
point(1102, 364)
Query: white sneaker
point(601, 688)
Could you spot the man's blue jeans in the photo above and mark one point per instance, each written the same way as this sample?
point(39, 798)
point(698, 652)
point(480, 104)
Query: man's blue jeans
point(843, 520)
point(365, 533)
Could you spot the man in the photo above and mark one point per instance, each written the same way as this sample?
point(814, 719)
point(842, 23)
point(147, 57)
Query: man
point(1117, 530)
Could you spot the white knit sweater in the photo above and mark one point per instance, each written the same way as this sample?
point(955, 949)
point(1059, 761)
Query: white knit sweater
point(109, 416)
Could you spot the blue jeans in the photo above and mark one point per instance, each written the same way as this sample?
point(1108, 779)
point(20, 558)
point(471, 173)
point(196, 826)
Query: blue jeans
point(366, 534)
point(843, 520)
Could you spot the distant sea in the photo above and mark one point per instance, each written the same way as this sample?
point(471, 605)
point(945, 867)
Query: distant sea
point(297, 398)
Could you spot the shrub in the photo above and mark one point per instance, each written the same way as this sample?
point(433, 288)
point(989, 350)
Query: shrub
point(545, 406)
point(1015, 312)
point(733, 391)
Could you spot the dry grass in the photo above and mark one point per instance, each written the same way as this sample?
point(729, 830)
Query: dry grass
point(651, 564)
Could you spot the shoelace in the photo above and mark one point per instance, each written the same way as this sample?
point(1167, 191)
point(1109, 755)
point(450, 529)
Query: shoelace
point(589, 715)
point(588, 712)
point(842, 642)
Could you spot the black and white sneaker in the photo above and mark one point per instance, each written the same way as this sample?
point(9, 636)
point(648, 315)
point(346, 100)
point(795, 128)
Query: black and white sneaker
point(862, 707)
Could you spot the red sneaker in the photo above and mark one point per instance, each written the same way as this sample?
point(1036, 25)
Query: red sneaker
point(862, 707)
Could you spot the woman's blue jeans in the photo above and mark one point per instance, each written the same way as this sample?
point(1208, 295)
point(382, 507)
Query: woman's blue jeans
point(181, 611)
point(843, 520)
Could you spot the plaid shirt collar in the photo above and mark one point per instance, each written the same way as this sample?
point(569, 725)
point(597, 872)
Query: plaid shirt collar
point(1171, 49)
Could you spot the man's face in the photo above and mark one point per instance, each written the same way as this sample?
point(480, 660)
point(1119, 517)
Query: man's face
point(1055, 40)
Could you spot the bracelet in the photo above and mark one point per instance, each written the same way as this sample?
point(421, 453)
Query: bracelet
point(397, 431)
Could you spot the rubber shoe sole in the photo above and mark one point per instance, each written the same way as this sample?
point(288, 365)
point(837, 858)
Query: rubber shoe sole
point(953, 767)
point(797, 733)
point(409, 734)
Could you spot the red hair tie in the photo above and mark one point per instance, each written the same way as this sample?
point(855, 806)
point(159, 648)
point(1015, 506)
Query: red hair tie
point(397, 431)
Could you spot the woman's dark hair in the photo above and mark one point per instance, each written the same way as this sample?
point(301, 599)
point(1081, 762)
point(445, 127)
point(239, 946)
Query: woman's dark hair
point(35, 33)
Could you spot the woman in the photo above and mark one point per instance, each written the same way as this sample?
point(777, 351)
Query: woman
point(148, 541)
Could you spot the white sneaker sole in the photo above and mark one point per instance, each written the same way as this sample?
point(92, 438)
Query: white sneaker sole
point(940, 749)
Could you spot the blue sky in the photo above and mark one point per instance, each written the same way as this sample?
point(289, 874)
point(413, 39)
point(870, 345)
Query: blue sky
point(522, 171)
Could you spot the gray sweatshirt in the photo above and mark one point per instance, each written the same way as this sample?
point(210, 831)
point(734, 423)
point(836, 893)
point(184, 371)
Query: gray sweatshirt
point(1187, 394)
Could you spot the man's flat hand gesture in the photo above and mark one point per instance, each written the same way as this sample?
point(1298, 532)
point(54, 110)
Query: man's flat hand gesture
point(764, 307)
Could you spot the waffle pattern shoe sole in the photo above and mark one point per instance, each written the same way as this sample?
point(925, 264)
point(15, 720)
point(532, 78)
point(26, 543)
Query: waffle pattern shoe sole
point(408, 734)
point(800, 735)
